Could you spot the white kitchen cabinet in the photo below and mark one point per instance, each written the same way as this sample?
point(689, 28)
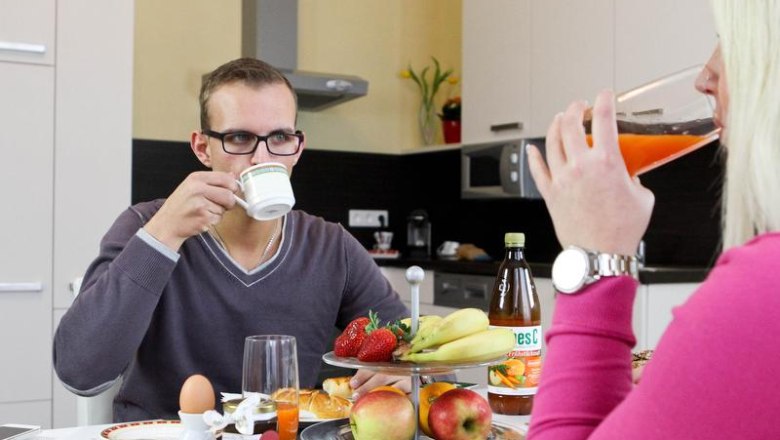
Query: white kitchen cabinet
point(526, 60)
point(27, 31)
point(660, 37)
point(27, 142)
point(571, 55)
point(67, 141)
point(661, 301)
point(397, 278)
point(496, 70)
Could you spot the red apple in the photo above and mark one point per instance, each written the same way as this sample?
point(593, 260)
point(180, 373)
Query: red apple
point(460, 414)
point(384, 415)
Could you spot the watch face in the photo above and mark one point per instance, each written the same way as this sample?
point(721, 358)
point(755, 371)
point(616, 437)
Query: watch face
point(570, 270)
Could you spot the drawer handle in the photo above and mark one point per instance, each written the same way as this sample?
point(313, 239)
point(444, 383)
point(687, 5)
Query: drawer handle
point(21, 287)
point(507, 126)
point(22, 47)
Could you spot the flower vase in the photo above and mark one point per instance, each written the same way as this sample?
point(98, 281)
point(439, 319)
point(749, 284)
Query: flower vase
point(451, 130)
point(427, 119)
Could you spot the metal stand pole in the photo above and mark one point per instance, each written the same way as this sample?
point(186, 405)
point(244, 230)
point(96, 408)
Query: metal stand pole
point(415, 275)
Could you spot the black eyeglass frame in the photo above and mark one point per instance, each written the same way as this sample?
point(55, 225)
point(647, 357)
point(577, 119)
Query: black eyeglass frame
point(258, 139)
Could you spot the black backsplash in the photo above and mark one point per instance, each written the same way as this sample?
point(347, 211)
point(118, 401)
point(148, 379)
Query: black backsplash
point(684, 229)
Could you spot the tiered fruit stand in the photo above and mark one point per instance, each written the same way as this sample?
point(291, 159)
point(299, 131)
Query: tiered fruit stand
point(329, 430)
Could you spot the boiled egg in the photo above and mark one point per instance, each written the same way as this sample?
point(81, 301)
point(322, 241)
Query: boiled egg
point(197, 395)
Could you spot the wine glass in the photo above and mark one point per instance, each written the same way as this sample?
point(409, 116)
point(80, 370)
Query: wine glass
point(661, 121)
point(271, 370)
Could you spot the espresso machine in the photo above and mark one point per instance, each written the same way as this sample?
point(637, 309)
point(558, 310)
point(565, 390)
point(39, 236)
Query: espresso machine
point(418, 234)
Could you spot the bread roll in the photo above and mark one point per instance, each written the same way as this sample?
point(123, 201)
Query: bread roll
point(338, 386)
point(318, 402)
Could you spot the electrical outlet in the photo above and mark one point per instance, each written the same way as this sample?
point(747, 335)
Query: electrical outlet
point(365, 218)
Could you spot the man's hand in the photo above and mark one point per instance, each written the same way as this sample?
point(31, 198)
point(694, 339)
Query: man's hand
point(364, 381)
point(197, 203)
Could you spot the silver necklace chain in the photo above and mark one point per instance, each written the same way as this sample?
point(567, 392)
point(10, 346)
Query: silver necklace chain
point(268, 246)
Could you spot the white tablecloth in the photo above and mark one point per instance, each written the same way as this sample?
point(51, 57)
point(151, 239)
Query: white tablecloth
point(93, 432)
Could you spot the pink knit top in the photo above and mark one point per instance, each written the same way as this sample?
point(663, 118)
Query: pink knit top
point(715, 373)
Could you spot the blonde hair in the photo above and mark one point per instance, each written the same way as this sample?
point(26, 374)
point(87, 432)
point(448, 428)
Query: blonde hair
point(750, 46)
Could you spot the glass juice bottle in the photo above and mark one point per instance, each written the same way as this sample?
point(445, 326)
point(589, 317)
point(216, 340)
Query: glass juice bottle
point(512, 384)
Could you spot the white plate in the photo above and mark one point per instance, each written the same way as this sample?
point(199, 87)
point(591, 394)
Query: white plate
point(149, 429)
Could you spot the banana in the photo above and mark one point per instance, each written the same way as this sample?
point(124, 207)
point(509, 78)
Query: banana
point(456, 325)
point(484, 345)
point(425, 323)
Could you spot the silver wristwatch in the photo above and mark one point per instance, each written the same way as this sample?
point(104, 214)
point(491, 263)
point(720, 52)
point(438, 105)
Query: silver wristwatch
point(574, 268)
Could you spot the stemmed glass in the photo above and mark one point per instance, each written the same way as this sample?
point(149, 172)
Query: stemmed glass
point(271, 370)
point(662, 120)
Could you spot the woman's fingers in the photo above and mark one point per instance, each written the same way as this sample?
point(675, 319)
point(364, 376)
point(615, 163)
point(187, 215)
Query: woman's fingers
point(573, 131)
point(604, 126)
point(553, 144)
point(539, 171)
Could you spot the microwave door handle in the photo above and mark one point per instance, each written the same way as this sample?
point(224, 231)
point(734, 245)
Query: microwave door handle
point(510, 169)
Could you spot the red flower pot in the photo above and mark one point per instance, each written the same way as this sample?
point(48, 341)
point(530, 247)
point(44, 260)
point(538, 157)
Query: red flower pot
point(451, 130)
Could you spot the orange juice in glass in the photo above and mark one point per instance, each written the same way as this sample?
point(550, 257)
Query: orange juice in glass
point(287, 420)
point(661, 121)
point(271, 370)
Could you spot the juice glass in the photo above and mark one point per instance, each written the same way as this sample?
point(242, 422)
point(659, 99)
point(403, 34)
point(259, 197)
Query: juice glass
point(271, 370)
point(661, 121)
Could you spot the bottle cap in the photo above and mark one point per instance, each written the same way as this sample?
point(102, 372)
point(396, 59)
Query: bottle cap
point(514, 239)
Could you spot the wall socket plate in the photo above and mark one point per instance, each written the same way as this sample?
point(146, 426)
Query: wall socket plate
point(368, 218)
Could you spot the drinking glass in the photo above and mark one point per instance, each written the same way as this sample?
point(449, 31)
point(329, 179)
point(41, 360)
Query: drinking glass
point(271, 365)
point(661, 121)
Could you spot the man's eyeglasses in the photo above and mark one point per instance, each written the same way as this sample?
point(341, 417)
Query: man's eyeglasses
point(278, 143)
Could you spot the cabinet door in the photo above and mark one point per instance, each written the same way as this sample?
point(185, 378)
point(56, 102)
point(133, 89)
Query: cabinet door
point(571, 57)
point(659, 37)
point(27, 31)
point(26, 189)
point(496, 70)
point(94, 131)
point(397, 278)
point(661, 300)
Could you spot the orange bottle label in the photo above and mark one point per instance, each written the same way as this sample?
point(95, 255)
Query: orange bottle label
point(519, 374)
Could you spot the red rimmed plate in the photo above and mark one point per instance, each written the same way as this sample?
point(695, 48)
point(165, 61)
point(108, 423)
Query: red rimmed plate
point(147, 429)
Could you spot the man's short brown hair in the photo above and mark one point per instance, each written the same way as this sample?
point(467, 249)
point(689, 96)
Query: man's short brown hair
point(250, 71)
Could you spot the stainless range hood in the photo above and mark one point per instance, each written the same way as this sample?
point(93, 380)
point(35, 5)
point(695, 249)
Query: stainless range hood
point(269, 31)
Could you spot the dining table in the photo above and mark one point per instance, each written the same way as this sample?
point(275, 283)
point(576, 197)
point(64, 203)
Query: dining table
point(93, 432)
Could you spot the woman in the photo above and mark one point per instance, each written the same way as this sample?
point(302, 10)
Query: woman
point(712, 374)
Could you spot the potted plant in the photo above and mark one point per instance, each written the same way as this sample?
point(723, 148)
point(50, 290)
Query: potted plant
point(450, 120)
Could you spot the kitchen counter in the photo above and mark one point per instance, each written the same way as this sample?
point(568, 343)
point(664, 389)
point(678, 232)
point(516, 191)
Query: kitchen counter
point(647, 275)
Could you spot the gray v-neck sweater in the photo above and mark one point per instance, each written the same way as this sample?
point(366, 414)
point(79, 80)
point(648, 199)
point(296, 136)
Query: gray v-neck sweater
point(156, 321)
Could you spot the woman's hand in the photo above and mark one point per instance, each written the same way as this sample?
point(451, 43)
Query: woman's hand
point(364, 381)
point(592, 200)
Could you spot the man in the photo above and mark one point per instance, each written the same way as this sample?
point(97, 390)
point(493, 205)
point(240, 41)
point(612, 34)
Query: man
point(180, 282)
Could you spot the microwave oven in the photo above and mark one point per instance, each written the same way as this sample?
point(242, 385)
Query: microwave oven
point(498, 170)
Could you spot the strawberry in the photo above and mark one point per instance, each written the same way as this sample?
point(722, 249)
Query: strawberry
point(378, 346)
point(349, 342)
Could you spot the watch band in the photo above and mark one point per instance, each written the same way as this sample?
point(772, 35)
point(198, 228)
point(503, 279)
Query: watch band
point(575, 268)
point(612, 265)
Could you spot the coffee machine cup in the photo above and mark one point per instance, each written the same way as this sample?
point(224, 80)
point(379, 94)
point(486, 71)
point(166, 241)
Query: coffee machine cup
point(418, 234)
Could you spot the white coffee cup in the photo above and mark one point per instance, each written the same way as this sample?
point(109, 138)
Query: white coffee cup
point(448, 249)
point(267, 190)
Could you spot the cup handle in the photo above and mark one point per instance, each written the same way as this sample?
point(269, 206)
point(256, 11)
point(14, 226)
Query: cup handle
point(239, 200)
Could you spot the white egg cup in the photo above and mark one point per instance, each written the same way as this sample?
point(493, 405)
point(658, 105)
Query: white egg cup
point(195, 428)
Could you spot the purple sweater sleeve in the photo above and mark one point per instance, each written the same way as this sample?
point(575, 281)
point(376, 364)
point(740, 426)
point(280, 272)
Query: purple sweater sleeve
point(712, 374)
point(111, 315)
